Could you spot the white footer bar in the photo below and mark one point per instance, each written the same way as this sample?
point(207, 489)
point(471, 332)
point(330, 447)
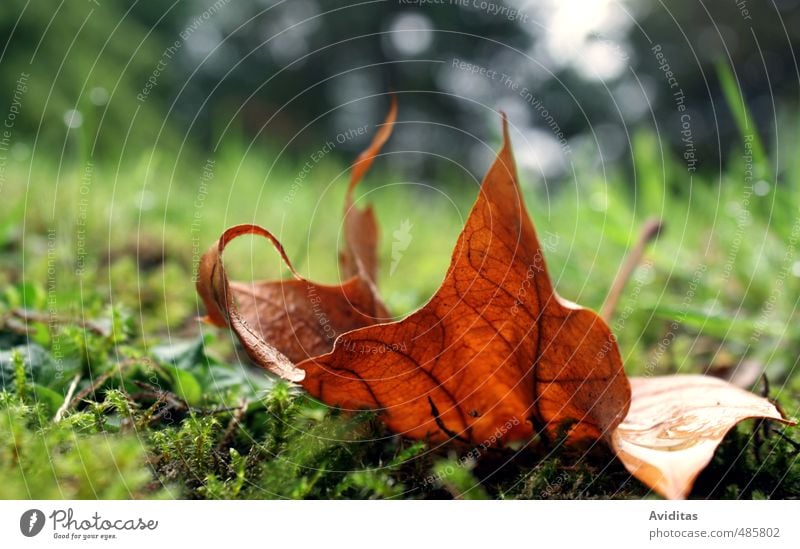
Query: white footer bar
point(398, 524)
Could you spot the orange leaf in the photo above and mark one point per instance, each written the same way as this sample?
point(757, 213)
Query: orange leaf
point(675, 425)
point(494, 348)
point(297, 317)
point(360, 257)
point(494, 356)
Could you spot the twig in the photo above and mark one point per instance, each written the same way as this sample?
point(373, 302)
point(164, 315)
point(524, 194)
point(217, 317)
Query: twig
point(652, 227)
point(32, 316)
point(67, 399)
point(765, 390)
point(91, 388)
point(214, 411)
point(759, 426)
point(236, 418)
point(101, 379)
point(784, 436)
point(158, 393)
point(153, 417)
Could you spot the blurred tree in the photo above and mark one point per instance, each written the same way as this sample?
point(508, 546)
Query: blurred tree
point(302, 71)
point(83, 64)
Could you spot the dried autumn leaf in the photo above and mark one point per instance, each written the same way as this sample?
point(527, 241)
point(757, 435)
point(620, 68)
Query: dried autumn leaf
point(297, 317)
point(675, 425)
point(360, 256)
point(495, 346)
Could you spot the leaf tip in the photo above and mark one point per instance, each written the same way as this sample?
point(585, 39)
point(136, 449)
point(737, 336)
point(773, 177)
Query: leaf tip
point(504, 118)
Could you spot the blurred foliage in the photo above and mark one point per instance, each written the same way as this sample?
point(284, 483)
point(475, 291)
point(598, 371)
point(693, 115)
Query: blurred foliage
point(83, 64)
point(297, 73)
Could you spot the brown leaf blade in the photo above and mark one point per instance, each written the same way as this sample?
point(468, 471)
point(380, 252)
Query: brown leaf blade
point(360, 256)
point(213, 287)
point(675, 424)
point(286, 321)
point(495, 355)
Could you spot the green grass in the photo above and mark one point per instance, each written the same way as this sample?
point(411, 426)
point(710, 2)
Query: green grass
point(165, 407)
